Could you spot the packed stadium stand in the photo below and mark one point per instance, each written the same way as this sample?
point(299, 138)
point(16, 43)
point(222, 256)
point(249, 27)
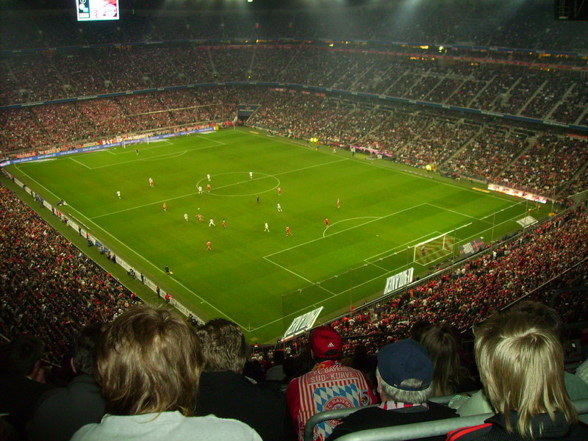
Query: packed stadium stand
point(467, 87)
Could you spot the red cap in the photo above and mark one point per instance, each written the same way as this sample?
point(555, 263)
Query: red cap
point(326, 343)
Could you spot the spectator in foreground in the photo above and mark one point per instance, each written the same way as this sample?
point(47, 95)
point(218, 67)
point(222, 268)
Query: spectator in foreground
point(62, 411)
point(521, 365)
point(405, 383)
point(449, 376)
point(22, 380)
point(328, 386)
point(148, 364)
point(545, 317)
point(224, 390)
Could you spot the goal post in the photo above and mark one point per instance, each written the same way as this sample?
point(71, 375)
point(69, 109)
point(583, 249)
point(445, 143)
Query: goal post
point(433, 249)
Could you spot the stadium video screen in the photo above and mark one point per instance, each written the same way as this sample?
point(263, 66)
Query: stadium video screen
point(97, 10)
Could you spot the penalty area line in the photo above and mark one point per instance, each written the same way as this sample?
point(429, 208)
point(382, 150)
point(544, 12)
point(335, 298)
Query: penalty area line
point(300, 276)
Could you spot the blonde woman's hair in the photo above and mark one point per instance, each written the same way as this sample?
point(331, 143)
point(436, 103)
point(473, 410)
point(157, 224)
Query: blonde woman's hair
point(521, 365)
point(149, 360)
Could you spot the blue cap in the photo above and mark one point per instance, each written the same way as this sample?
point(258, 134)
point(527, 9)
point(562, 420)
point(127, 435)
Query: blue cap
point(403, 360)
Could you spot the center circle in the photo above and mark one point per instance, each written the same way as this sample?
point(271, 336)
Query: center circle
point(237, 184)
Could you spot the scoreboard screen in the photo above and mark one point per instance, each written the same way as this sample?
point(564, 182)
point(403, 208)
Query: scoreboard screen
point(96, 10)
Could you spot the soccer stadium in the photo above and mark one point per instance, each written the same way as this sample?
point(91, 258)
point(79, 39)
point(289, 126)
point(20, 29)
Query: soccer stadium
point(286, 179)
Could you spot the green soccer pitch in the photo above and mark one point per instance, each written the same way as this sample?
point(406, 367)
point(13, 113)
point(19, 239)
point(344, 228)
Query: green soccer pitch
point(263, 280)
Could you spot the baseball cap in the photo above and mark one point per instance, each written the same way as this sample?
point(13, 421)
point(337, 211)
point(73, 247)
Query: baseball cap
point(404, 360)
point(326, 343)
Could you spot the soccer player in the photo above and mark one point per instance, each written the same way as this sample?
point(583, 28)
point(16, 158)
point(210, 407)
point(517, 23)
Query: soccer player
point(288, 231)
point(151, 182)
point(279, 190)
point(279, 207)
point(224, 223)
point(209, 246)
point(266, 228)
point(327, 222)
point(164, 206)
point(186, 217)
point(211, 223)
point(250, 175)
point(208, 188)
point(208, 177)
point(200, 189)
point(200, 217)
point(257, 199)
point(338, 203)
point(118, 194)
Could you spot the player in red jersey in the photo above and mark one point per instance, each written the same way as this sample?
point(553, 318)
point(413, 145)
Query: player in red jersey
point(327, 221)
point(164, 206)
point(209, 246)
point(288, 231)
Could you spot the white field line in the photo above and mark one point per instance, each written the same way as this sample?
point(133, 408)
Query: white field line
point(293, 314)
point(501, 210)
point(452, 211)
point(216, 141)
point(165, 143)
point(267, 257)
point(159, 270)
point(401, 248)
point(368, 263)
point(195, 192)
point(302, 277)
point(347, 220)
point(346, 229)
point(170, 155)
point(377, 165)
point(490, 228)
point(80, 162)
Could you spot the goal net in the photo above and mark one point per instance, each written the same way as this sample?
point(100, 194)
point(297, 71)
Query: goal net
point(433, 249)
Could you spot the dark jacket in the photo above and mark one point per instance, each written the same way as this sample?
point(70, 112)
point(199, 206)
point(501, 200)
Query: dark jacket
point(231, 395)
point(375, 417)
point(494, 429)
point(62, 411)
point(18, 397)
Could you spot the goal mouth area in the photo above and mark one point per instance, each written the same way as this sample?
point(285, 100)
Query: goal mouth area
point(434, 249)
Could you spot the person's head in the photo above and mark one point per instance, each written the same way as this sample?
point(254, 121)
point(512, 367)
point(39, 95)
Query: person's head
point(279, 356)
point(544, 315)
point(23, 354)
point(325, 344)
point(404, 373)
point(521, 364)
point(443, 350)
point(223, 346)
point(419, 328)
point(83, 360)
point(149, 360)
